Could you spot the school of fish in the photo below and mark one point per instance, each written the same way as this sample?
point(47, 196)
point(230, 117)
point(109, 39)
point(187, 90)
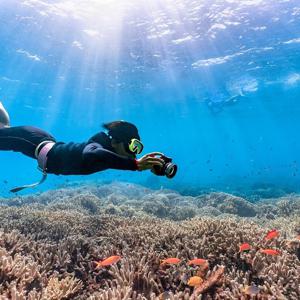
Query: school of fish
point(196, 281)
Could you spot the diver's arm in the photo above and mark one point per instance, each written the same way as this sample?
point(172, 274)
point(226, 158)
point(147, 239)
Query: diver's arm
point(96, 156)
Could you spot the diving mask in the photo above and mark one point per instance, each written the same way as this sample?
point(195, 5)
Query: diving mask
point(136, 146)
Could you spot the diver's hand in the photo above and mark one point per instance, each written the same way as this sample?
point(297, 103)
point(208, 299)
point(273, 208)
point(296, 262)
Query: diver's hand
point(149, 160)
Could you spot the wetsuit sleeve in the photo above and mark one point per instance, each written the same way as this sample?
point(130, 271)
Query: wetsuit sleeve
point(96, 157)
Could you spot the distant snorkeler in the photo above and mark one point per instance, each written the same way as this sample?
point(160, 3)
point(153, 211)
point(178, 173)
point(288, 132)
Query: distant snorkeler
point(116, 149)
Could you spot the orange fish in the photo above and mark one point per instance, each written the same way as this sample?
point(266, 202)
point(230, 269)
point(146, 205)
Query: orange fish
point(245, 247)
point(195, 281)
point(108, 261)
point(170, 261)
point(197, 262)
point(270, 251)
point(272, 234)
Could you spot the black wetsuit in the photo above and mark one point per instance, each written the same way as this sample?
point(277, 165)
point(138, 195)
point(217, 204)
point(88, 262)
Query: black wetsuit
point(66, 158)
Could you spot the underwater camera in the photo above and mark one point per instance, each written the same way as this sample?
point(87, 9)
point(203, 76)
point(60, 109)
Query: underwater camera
point(169, 169)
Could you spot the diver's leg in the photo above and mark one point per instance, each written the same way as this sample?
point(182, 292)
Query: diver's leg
point(4, 117)
point(12, 139)
point(23, 139)
point(8, 140)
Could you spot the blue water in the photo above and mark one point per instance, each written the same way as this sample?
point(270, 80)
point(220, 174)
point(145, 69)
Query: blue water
point(213, 84)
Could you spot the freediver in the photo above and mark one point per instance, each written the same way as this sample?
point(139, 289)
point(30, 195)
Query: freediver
point(116, 149)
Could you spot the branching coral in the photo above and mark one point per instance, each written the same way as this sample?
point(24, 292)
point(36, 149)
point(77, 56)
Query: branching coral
point(61, 289)
point(20, 269)
point(49, 250)
point(214, 279)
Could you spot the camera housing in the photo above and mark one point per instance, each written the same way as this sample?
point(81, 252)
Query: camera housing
point(169, 169)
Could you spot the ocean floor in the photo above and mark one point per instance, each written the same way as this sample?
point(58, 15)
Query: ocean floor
point(50, 243)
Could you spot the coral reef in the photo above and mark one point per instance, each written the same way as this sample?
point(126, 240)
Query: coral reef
point(49, 244)
point(133, 200)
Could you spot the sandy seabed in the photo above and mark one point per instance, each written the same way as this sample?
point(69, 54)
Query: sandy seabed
point(49, 244)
